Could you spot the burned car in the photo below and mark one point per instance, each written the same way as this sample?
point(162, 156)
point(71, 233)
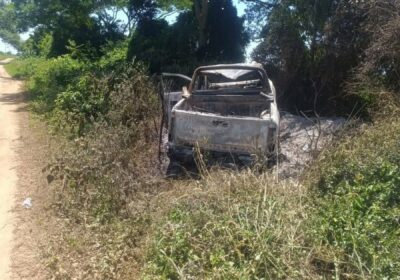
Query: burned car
point(229, 109)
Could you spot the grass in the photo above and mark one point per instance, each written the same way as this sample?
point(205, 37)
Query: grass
point(232, 225)
point(12, 69)
point(17, 68)
point(5, 56)
point(341, 222)
point(355, 221)
point(116, 217)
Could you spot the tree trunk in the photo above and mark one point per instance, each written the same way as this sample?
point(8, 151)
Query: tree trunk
point(201, 11)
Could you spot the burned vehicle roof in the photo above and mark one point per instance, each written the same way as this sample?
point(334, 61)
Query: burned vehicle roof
point(249, 66)
point(229, 76)
point(232, 71)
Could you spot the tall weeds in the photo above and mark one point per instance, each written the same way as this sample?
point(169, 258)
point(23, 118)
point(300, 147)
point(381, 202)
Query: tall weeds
point(232, 225)
point(104, 181)
point(104, 167)
point(355, 223)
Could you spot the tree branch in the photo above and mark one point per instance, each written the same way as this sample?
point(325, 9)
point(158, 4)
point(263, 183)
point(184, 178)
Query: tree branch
point(265, 4)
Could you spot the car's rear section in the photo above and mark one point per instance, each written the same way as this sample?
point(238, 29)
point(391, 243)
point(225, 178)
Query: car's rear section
point(222, 133)
point(227, 109)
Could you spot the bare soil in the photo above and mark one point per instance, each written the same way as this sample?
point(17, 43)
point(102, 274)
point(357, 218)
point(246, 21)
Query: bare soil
point(23, 154)
point(9, 135)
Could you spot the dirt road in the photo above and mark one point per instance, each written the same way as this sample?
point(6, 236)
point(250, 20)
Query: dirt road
point(9, 134)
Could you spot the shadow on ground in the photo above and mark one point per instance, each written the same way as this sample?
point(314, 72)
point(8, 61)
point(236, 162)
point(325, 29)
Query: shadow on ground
point(15, 99)
point(194, 169)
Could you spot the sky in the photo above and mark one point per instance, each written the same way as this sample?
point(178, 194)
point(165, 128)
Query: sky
point(6, 48)
point(239, 5)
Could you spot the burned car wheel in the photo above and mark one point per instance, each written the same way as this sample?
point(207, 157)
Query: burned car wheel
point(181, 155)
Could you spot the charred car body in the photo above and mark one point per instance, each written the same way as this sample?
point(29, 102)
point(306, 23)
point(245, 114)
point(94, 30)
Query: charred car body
point(228, 109)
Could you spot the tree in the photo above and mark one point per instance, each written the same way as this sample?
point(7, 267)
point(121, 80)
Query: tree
point(83, 22)
point(310, 48)
point(381, 62)
point(8, 25)
point(200, 10)
point(225, 36)
point(136, 10)
point(184, 45)
point(149, 43)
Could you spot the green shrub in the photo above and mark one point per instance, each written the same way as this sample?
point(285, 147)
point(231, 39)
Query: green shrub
point(114, 57)
point(80, 104)
point(361, 218)
point(356, 219)
point(72, 93)
point(52, 77)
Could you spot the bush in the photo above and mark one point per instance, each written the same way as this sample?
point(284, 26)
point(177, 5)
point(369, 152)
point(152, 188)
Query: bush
point(382, 56)
point(356, 220)
point(105, 161)
point(73, 93)
point(80, 104)
point(105, 182)
point(114, 56)
point(52, 77)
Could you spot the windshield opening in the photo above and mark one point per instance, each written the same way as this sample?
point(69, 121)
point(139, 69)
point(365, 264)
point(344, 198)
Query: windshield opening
point(228, 79)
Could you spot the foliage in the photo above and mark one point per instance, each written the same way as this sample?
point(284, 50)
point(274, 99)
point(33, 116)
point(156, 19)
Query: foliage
point(232, 226)
point(355, 221)
point(114, 56)
point(107, 181)
point(5, 55)
point(310, 49)
point(165, 47)
point(88, 24)
point(22, 68)
point(81, 22)
point(71, 92)
point(106, 149)
point(8, 25)
point(226, 37)
point(49, 78)
point(178, 4)
point(150, 43)
point(382, 60)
